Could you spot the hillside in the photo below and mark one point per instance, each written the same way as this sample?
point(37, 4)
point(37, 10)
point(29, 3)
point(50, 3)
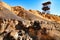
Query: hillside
point(18, 10)
point(17, 23)
point(5, 5)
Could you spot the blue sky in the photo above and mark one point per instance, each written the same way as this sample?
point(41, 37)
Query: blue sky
point(35, 4)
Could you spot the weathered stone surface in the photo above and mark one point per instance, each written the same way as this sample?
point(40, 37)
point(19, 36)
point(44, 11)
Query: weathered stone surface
point(20, 24)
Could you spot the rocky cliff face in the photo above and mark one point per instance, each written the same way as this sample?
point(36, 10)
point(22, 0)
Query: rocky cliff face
point(37, 30)
point(22, 12)
point(5, 5)
point(21, 24)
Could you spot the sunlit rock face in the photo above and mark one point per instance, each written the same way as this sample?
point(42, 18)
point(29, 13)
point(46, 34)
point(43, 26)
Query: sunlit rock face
point(16, 30)
point(16, 23)
point(5, 5)
point(20, 11)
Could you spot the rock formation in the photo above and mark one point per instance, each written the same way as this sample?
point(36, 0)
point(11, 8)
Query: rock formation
point(21, 24)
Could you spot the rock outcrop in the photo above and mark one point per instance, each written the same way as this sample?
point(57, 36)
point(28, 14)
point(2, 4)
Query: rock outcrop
point(21, 24)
